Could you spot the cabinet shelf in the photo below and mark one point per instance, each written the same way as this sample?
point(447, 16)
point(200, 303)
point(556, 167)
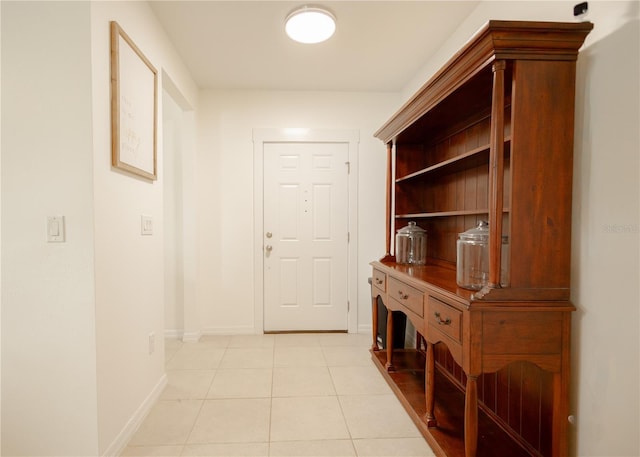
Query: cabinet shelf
point(469, 159)
point(447, 438)
point(470, 212)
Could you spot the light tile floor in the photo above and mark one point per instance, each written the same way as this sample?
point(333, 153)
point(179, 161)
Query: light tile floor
point(276, 395)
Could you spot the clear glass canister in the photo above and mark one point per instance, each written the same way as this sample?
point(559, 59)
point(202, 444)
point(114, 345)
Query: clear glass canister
point(473, 258)
point(411, 245)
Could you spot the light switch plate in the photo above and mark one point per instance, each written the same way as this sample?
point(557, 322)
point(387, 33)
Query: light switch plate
point(146, 222)
point(55, 229)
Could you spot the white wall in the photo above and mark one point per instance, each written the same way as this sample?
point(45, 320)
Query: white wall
point(77, 373)
point(173, 207)
point(606, 228)
point(129, 268)
point(0, 237)
point(48, 317)
point(179, 216)
point(606, 221)
point(227, 118)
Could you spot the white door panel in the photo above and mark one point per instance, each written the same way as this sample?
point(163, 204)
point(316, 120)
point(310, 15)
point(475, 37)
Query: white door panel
point(306, 213)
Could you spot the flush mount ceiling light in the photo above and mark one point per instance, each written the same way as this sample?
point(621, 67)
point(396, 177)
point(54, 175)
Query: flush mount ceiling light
point(310, 24)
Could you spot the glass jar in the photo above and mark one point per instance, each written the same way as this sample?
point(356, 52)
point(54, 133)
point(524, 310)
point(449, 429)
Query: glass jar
point(472, 260)
point(411, 245)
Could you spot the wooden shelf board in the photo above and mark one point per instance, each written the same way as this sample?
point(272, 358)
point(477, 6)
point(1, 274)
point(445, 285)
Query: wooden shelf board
point(471, 158)
point(447, 438)
point(467, 212)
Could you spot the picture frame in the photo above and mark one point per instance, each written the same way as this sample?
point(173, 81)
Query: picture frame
point(134, 100)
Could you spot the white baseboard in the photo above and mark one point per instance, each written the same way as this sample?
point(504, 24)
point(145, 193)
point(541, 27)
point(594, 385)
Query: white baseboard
point(187, 337)
point(191, 337)
point(174, 334)
point(231, 331)
point(410, 335)
point(125, 435)
point(364, 328)
point(195, 336)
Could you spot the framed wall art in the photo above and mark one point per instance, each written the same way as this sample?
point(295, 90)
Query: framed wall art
point(134, 84)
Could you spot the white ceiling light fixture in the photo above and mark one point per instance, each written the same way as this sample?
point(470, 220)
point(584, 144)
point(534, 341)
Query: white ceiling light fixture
point(310, 24)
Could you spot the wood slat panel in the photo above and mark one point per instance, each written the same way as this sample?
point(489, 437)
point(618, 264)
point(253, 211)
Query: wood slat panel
point(518, 397)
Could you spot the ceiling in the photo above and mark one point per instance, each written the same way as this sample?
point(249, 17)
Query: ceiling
point(378, 45)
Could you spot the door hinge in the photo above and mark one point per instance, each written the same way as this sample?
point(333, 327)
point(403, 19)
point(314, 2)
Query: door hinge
point(348, 164)
point(348, 237)
point(348, 306)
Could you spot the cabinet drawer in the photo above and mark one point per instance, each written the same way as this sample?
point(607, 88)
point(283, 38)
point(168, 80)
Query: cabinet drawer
point(379, 280)
point(445, 318)
point(406, 295)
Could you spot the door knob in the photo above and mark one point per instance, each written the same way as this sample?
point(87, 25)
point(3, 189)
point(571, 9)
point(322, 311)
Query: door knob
point(269, 234)
point(268, 248)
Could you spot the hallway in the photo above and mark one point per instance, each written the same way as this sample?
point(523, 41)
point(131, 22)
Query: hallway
point(276, 395)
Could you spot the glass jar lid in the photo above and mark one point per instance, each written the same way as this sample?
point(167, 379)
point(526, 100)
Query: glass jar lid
point(411, 229)
point(478, 233)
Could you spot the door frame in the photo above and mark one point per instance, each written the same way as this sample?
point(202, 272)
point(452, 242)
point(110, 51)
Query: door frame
point(304, 135)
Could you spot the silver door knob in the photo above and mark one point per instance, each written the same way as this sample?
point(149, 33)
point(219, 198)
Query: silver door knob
point(268, 248)
point(269, 234)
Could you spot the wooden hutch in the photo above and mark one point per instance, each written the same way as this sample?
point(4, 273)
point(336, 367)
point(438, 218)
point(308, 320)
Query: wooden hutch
point(488, 137)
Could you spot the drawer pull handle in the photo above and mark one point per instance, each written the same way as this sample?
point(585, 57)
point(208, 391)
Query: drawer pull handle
point(439, 320)
point(379, 281)
point(403, 296)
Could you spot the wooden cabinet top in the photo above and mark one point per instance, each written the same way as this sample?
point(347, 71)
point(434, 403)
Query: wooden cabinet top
point(505, 40)
point(442, 281)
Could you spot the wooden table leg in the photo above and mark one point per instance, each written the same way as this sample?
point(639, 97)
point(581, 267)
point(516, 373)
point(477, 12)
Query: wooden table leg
point(374, 316)
point(430, 383)
point(561, 379)
point(389, 365)
point(559, 432)
point(471, 417)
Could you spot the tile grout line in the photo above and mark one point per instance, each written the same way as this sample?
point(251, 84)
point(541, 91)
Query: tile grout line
point(344, 418)
point(186, 443)
point(183, 447)
point(195, 421)
point(273, 363)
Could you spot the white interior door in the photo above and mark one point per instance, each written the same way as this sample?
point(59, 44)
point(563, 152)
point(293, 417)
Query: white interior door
point(305, 236)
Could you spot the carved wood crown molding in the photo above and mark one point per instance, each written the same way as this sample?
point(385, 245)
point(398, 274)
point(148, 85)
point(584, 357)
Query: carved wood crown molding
point(496, 40)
